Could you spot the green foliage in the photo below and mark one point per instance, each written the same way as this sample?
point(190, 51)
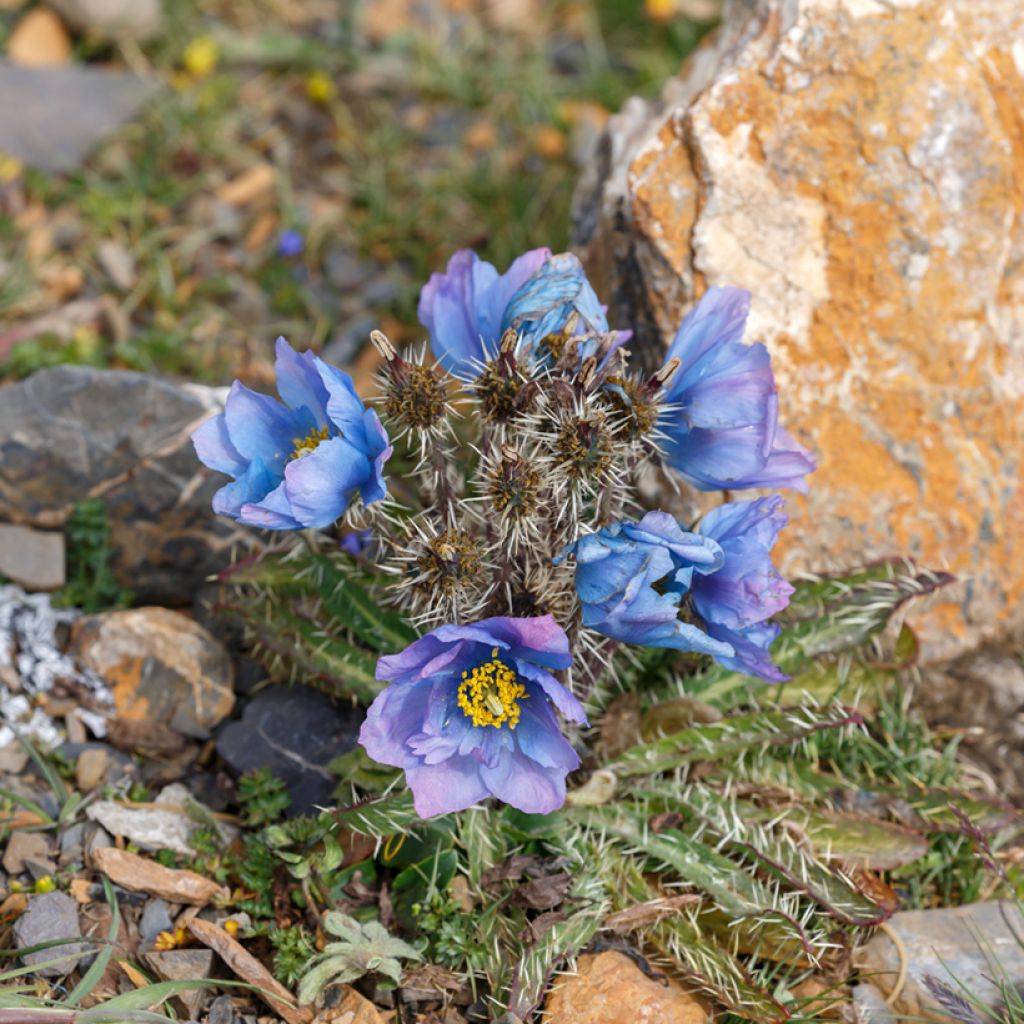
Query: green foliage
point(293, 950)
point(362, 949)
point(310, 619)
point(263, 796)
point(91, 584)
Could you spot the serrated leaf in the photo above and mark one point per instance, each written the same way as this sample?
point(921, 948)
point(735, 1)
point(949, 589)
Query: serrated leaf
point(729, 738)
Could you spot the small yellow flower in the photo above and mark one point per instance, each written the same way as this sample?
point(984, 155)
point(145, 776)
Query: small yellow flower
point(661, 10)
point(231, 927)
point(45, 884)
point(165, 941)
point(200, 56)
point(320, 88)
point(10, 168)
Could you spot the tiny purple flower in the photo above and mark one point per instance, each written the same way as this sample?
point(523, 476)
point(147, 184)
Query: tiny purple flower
point(722, 427)
point(735, 601)
point(290, 244)
point(301, 461)
point(469, 712)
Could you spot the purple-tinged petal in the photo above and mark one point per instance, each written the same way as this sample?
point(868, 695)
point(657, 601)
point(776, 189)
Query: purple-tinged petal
point(719, 318)
point(538, 737)
point(395, 715)
point(214, 448)
point(555, 692)
point(491, 309)
point(444, 788)
point(540, 639)
point(524, 784)
point(787, 465)
point(752, 651)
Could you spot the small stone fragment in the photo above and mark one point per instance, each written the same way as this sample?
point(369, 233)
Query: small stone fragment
point(354, 1008)
point(50, 916)
point(249, 969)
point(91, 768)
point(131, 871)
point(958, 945)
point(609, 988)
point(222, 1011)
point(151, 828)
point(184, 965)
point(112, 19)
point(23, 847)
point(39, 40)
point(162, 667)
point(118, 263)
point(32, 558)
point(155, 918)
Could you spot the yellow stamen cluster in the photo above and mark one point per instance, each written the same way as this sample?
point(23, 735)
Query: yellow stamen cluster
point(490, 694)
point(304, 445)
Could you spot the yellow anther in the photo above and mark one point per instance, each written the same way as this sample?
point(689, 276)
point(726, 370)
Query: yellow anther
point(490, 694)
point(304, 445)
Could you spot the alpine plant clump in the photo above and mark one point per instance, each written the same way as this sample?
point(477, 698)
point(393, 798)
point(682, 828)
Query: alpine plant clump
point(494, 488)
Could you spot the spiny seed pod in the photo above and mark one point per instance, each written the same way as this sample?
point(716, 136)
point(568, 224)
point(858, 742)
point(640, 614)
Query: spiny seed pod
point(512, 487)
point(541, 590)
point(443, 573)
point(633, 407)
point(583, 447)
point(415, 395)
point(503, 390)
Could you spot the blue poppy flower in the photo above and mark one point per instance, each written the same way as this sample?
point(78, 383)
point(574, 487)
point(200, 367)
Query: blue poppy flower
point(722, 425)
point(632, 577)
point(734, 601)
point(299, 462)
point(469, 712)
point(464, 308)
point(469, 307)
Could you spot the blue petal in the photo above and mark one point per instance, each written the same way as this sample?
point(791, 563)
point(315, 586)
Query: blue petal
point(253, 485)
point(752, 655)
point(321, 485)
point(214, 448)
point(298, 381)
point(272, 512)
point(447, 308)
point(262, 428)
point(345, 408)
point(719, 318)
point(538, 736)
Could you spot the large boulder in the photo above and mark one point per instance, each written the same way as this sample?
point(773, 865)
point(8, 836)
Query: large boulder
point(72, 432)
point(858, 165)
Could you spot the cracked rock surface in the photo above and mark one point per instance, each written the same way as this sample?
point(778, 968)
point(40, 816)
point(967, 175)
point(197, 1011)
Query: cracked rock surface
point(72, 432)
point(858, 166)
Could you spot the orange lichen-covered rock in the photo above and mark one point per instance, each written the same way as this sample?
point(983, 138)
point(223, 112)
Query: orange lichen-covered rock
point(858, 165)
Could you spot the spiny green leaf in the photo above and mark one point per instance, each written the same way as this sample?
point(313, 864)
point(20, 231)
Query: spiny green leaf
point(729, 738)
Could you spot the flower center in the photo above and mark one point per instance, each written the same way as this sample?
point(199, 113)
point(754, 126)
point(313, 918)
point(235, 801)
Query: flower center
point(490, 694)
point(304, 445)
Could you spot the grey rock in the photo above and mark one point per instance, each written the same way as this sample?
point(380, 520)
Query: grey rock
point(221, 1011)
point(956, 945)
point(52, 117)
point(869, 1006)
point(24, 847)
point(33, 558)
point(982, 693)
point(96, 838)
point(71, 840)
point(156, 827)
point(73, 431)
point(156, 918)
point(112, 19)
point(294, 733)
point(50, 916)
point(184, 965)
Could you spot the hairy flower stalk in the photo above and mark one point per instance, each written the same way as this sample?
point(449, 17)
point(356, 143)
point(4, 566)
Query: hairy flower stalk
point(514, 529)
